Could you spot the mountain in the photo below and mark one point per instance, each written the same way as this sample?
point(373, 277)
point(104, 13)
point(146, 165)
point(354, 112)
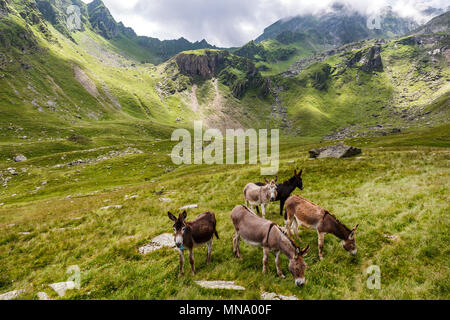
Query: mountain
point(341, 24)
point(105, 81)
point(97, 17)
point(440, 23)
point(291, 39)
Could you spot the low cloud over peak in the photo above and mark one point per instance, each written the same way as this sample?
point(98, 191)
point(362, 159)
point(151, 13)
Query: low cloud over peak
point(228, 23)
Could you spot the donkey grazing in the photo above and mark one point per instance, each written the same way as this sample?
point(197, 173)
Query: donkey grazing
point(193, 233)
point(257, 231)
point(285, 189)
point(302, 211)
point(260, 195)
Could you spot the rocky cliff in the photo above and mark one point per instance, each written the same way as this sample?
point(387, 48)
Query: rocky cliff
point(205, 65)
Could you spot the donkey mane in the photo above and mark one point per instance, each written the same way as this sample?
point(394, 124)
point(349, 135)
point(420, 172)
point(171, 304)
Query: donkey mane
point(287, 236)
point(344, 230)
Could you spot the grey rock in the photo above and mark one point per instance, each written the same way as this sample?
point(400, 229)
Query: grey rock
point(43, 296)
point(163, 240)
point(336, 151)
point(276, 296)
point(20, 158)
point(229, 285)
point(61, 287)
point(11, 295)
point(191, 206)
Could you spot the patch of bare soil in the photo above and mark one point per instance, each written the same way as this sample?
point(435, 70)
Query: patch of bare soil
point(85, 81)
point(218, 117)
point(194, 101)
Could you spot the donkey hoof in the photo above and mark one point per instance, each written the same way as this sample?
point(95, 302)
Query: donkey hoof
point(320, 258)
point(282, 276)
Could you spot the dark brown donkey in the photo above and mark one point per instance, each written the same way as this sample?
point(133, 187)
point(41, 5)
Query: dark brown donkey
point(300, 211)
point(193, 233)
point(257, 231)
point(285, 189)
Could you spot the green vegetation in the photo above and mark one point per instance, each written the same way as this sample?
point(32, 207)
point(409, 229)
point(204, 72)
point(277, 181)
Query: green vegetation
point(391, 191)
point(93, 116)
point(272, 57)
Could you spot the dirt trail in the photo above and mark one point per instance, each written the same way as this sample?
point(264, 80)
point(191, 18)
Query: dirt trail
point(194, 101)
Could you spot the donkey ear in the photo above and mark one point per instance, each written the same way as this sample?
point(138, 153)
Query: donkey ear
point(183, 215)
point(352, 234)
point(276, 179)
point(171, 216)
point(295, 172)
point(304, 251)
point(300, 173)
point(267, 181)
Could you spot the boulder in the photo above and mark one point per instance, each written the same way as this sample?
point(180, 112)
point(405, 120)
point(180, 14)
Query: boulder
point(227, 285)
point(336, 151)
point(276, 296)
point(159, 242)
point(20, 158)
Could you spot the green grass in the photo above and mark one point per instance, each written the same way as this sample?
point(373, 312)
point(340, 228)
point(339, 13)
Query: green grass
point(398, 188)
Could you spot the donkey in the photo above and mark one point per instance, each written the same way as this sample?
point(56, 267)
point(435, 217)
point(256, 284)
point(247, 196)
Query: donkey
point(257, 231)
point(285, 189)
point(302, 211)
point(260, 195)
point(193, 233)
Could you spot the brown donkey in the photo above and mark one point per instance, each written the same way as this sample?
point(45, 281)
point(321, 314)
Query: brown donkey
point(193, 233)
point(300, 211)
point(257, 231)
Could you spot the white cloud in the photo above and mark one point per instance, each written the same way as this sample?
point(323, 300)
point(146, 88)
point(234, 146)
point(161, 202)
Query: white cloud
point(234, 22)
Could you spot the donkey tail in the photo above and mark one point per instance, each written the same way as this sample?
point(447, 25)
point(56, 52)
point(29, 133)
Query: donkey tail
point(217, 235)
point(285, 213)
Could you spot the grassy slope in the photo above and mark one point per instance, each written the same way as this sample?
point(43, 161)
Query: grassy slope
point(392, 190)
point(350, 96)
point(412, 185)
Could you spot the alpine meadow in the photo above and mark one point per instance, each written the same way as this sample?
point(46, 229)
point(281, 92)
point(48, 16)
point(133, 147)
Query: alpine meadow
point(93, 205)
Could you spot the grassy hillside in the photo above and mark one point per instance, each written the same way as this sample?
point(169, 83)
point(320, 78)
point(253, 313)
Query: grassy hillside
point(392, 191)
point(274, 56)
point(93, 118)
point(337, 92)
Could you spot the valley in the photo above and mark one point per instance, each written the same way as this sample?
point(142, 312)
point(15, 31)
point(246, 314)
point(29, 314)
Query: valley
point(93, 110)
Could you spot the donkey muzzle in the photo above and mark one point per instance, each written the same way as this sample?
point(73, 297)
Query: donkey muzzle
point(300, 282)
point(179, 241)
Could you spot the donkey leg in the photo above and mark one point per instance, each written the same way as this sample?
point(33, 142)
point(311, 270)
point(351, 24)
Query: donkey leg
point(236, 250)
point(181, 263)
point(321, 241)
point(288, 224)
point(282, 206)
point(208, 257)
point(191, 260)
point(278, 264)
point(265, 259)
point(295, 227)
point(263, 210)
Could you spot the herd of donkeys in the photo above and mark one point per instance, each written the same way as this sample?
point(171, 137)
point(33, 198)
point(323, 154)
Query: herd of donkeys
point(258, 231)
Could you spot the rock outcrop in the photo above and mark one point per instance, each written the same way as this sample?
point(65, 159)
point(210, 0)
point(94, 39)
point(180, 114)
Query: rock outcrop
point(204, 65)
point(336, 151)
point(20, 158)
point(3, 9)
point(368, 60)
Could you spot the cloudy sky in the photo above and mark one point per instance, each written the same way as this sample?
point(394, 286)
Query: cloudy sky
point(227, 23)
